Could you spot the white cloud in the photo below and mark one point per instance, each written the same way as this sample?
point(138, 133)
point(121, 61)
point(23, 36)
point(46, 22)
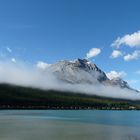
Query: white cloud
point(131, 40)
point(42, 65)
point(93, 52)
point(135, 55)
point(115, 74)
point(13, 60)
point(8, 49)
point(116, 54)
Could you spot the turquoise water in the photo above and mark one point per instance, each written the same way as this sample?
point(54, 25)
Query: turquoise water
point(69, 125)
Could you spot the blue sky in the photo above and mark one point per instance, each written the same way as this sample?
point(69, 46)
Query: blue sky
point(52, 30)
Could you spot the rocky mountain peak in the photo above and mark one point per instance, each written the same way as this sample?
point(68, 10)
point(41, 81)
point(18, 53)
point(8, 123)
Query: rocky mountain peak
point(78, 71)
point(81, 61)
point(86, 64)
point(83, 71)
point(120, 82)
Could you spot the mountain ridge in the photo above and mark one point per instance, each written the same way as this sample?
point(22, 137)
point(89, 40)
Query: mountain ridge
point(83, 71)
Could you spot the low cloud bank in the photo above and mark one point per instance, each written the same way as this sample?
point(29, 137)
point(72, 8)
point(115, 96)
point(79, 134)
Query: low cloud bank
point(20, 74)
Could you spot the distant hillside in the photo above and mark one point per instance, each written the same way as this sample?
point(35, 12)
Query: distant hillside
point(16, 97)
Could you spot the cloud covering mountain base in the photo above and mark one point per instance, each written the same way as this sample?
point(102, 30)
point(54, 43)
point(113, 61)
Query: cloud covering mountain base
point(22, 75)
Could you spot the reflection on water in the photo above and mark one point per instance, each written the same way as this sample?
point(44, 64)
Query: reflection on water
point(69, 125)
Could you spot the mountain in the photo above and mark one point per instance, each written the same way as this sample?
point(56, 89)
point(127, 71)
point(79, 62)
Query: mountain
point(78, 71)
point(120, 82)
point(85, 72)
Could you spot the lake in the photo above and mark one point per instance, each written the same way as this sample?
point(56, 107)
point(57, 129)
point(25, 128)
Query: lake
point(69, 125)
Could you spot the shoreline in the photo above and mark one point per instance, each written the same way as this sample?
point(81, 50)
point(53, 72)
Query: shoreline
point(61, 108)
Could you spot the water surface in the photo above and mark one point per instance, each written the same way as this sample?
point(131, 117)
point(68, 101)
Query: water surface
point(69, 125)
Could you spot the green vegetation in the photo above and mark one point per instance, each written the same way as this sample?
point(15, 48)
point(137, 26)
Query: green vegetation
point(16, 97)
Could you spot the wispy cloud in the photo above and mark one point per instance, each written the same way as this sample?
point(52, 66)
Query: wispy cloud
point(13, 60)
point(114, 74)
point(9, 50)
point(138, 72)
point(93, 52)
point(132, 81)
point(116, 54)
point(135, 55)
point(131, 40)
point(2, 55)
